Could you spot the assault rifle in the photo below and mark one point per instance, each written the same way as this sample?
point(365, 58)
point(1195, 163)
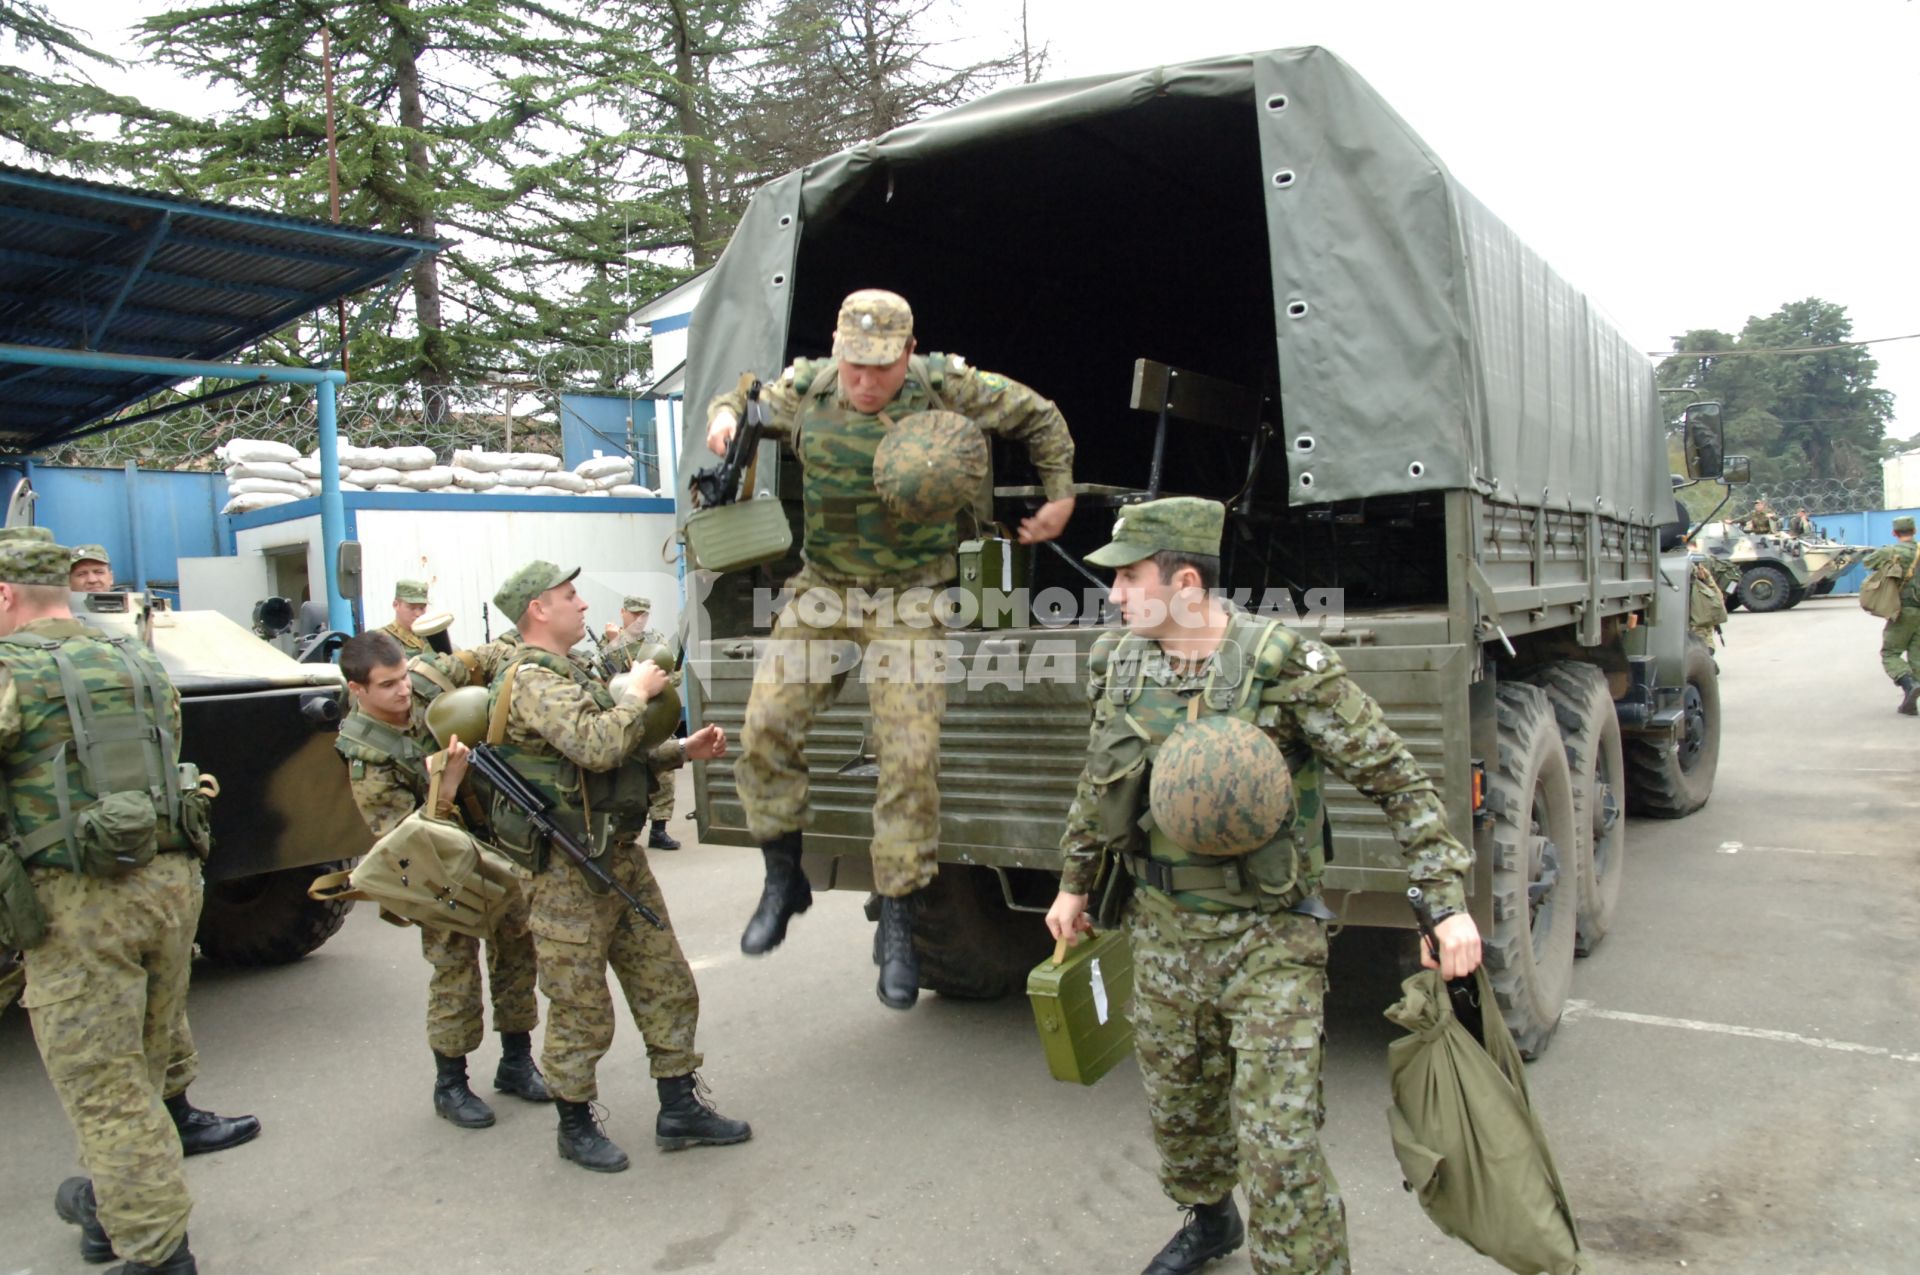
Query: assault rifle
point(506, 781)
point(721, 484)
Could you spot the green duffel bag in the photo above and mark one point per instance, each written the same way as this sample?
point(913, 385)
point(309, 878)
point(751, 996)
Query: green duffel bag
point(734, 537)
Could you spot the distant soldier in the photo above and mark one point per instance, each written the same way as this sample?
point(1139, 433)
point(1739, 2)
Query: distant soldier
point(1706, 604)
point(91, 570)
point(386, 752)
point(409, 604)
point(624, 644)
point(835, 414)
point(1800, 524)
point(573, 741)
point(1228, 931)
point(1760, 521)
point(103, 892)
point(1900, 642)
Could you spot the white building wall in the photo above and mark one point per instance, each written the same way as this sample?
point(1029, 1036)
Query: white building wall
point(1901, 475)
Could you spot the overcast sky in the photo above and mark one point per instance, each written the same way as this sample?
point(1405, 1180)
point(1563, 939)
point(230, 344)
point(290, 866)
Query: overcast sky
point(1686, 163)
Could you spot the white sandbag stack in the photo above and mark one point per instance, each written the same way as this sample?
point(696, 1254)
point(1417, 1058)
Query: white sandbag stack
point(265, 473)
point(604, 473)
point(260, 474)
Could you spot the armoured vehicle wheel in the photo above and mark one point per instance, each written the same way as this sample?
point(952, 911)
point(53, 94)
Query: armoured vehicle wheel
point(1796, 596)
point(1597, 766)
point(268, 919)
point(1669, 779)
point(971, 944)
point(1536, 888)
point(1766, 588)
point(1825, 587)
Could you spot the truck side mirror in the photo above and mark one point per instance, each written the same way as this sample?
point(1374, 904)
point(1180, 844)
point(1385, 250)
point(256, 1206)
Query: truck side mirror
point(1704, 440)
point(1738, 470)
point(346, 568)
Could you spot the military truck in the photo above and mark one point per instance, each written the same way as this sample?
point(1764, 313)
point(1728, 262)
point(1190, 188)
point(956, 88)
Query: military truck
point(1777, 571)
point(1247, 279)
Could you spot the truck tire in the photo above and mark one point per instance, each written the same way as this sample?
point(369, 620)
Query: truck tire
point(1589, 727)
point(1536, 890)
point(1672, 778)
point(268, 919)
point(1795, 596)
point(1765, 588)
point(973, 946)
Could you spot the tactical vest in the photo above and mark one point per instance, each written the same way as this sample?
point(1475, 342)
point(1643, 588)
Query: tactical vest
point(848, 529)
point(365, 738)
point(93, 781)
point(586, 802)
point(1143, 714)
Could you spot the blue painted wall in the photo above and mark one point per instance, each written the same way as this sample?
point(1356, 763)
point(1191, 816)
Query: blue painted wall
point(612, 426)
point(177, 516)
point(1868, 527)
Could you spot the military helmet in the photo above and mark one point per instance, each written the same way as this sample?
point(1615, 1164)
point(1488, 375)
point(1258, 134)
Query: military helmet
point(1220, 787)
point(660, 654)
point(663, 710)
point(930, 465)
point(461, 712)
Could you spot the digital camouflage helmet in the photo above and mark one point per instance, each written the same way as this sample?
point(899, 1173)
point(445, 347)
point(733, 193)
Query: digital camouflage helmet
point(1220, 787)
point(930, 466)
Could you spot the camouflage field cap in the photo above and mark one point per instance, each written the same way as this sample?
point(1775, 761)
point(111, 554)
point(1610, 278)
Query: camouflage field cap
point(1178, 524)
point(1903, 524)
point(38, 535)
point(930, 465)
point(874, 327)
point(410, 591)
point(90, 553)
point(1220, 787)
point(32, 561)
point(528, 583)
point(634, 604)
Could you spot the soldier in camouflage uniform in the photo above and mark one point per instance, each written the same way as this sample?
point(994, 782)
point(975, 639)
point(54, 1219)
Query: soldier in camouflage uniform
point(386, 751)
point(115, 882)
point(409, 604)
point(1706, 604)
point(90, 570)
point(624, 644)
point(835, 415)
point(562, 730)
point(1760, 520)
point(1230, 952)
point(1900, 641)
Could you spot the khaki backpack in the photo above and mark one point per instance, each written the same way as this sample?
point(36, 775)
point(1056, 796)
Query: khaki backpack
point(1880, 595)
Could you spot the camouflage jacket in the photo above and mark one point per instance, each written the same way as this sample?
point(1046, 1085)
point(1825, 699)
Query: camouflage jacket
point(34, 721)
point(619, 653)
point(1897, 558)
point(1323, 712)
point(388, 790)
point(555, 715)
point(409, 642)
point(848, 534)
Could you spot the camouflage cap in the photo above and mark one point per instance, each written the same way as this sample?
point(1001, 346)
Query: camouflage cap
point(33, 561)
point(90, 553)
point(874, 327)
point(1178, 524)
point(634, 604)
point(528, 583)
point(1903, 524)
point(39, 535)
point(410, 591)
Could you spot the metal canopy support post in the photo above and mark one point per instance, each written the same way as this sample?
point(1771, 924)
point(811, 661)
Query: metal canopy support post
point(333, 510)
point(139, 576)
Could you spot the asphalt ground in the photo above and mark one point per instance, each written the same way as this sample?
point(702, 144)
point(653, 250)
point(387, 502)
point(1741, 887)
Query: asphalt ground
point(1736, 1087)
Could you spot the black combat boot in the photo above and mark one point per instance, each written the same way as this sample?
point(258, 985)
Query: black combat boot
point(73, 1201)
point(202, 1131)
point(516, 1073)
point(687, 1119)
point(899, 985)
point(1912, 693)
point(658, 838)
point(582, 1141)
point(451, 1097)
point(785, 896)
point(178, 1262)
point(1212, 1230)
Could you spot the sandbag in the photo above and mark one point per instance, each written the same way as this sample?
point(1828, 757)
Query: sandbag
point(395, 487)
point(544, 490)
point(604, 467)
point(385, 474)
point(248, 503)
point(409, 459)
point(428, 479)
point(308, 466)
point(632, 491)
point(474, 479)
point(495, 462)
point(565, 481)
point(238, 450)
point(265, 469)
point(621, 479)
point(268, 487)
point(520, 477)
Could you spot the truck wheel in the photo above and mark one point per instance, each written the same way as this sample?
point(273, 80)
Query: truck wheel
point(1795, 596)
point(972, 946)
point(1765, 588)
point(1583, 706)
point(1670, 778)
point(1536, 889)
point(268, 919)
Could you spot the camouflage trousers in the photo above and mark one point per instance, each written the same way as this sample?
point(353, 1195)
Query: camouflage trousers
point(455, 1021)
point(577, 935)
point(661, 809)
point(106, 991)
point(1900, 644)
point(812, 652)
point(1227, 1021)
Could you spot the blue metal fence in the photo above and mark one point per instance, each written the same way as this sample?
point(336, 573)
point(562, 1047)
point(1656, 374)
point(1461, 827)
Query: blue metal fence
point(1866, 527)
point(175, 515)
point(612, 426)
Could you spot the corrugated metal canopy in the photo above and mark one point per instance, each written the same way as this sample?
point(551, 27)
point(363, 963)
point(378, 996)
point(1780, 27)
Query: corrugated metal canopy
point(86, 266)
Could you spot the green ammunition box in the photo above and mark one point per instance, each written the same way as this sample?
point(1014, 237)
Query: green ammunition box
point(733, 537)
point(991, 571)
point(1080, 1006)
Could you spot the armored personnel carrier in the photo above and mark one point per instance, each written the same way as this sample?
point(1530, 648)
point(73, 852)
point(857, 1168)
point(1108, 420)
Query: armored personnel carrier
point(1775, 570)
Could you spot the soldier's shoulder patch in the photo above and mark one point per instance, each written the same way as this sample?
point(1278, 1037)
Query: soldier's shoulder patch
point(1316, 658)
point(991, 382)
point(357, 769)
point(957, 363)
